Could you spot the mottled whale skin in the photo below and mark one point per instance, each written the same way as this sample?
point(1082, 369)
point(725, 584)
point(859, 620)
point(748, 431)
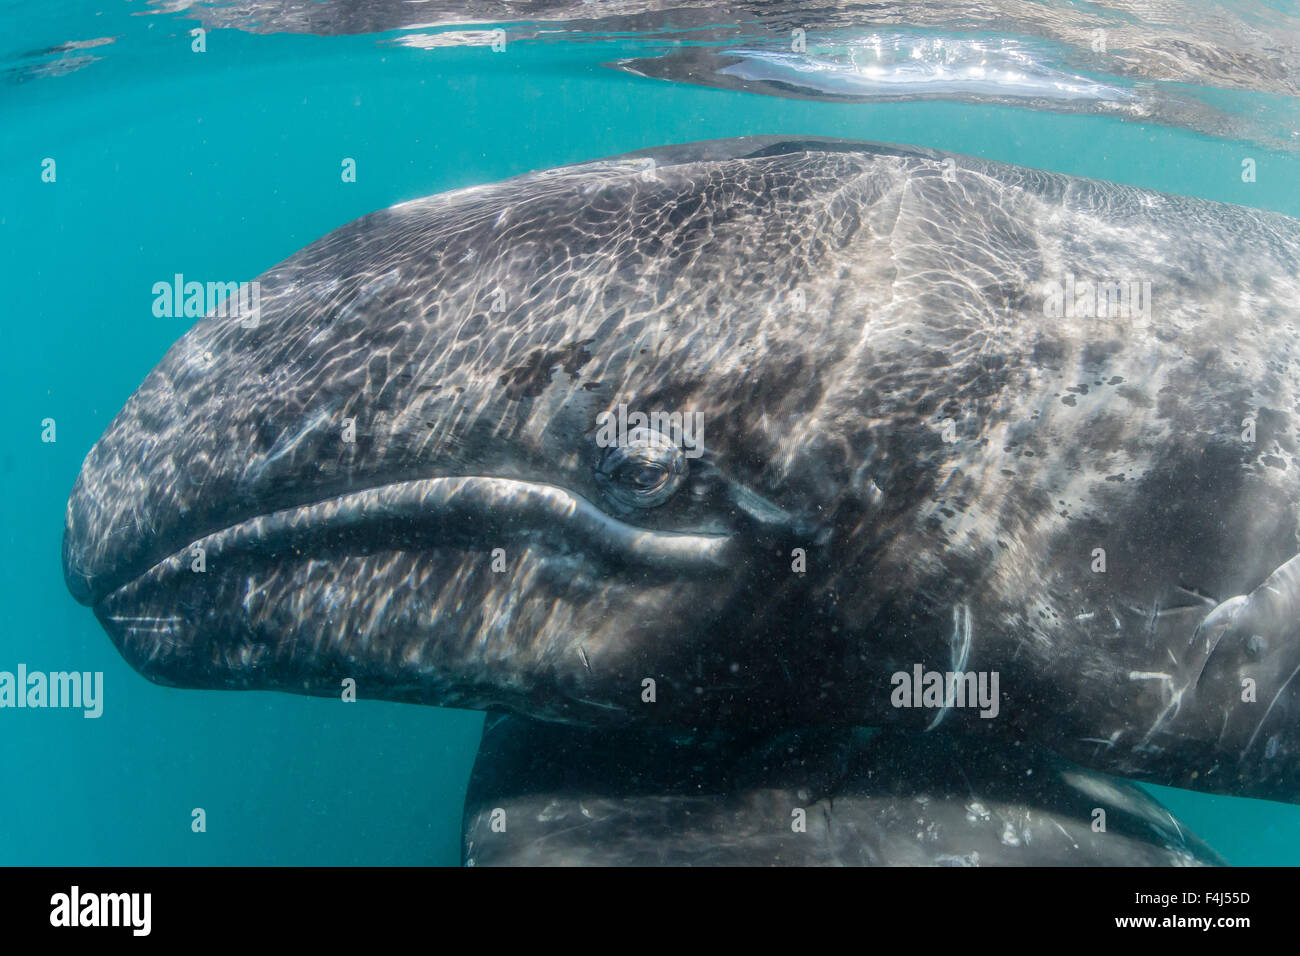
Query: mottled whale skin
point(549, 795)
point(863, 329)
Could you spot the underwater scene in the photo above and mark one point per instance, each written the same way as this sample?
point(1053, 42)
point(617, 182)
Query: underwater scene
point(650, 432)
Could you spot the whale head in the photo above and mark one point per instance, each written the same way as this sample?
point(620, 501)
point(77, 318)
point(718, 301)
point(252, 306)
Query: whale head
point(525, 446)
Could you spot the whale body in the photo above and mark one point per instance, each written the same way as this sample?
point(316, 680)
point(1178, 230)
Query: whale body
point(958, 418)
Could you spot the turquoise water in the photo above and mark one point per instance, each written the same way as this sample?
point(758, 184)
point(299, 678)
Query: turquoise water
point(223, 164)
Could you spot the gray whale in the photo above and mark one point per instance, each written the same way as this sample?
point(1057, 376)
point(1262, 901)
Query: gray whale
point(911, 459)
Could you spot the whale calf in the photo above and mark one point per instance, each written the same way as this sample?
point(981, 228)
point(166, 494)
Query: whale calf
point(549, 795)
point(959, 418)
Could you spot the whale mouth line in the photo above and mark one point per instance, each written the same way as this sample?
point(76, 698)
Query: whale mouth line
point(471, 513)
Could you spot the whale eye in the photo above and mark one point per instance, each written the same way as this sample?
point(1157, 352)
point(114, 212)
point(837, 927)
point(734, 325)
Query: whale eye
point(644, 472)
